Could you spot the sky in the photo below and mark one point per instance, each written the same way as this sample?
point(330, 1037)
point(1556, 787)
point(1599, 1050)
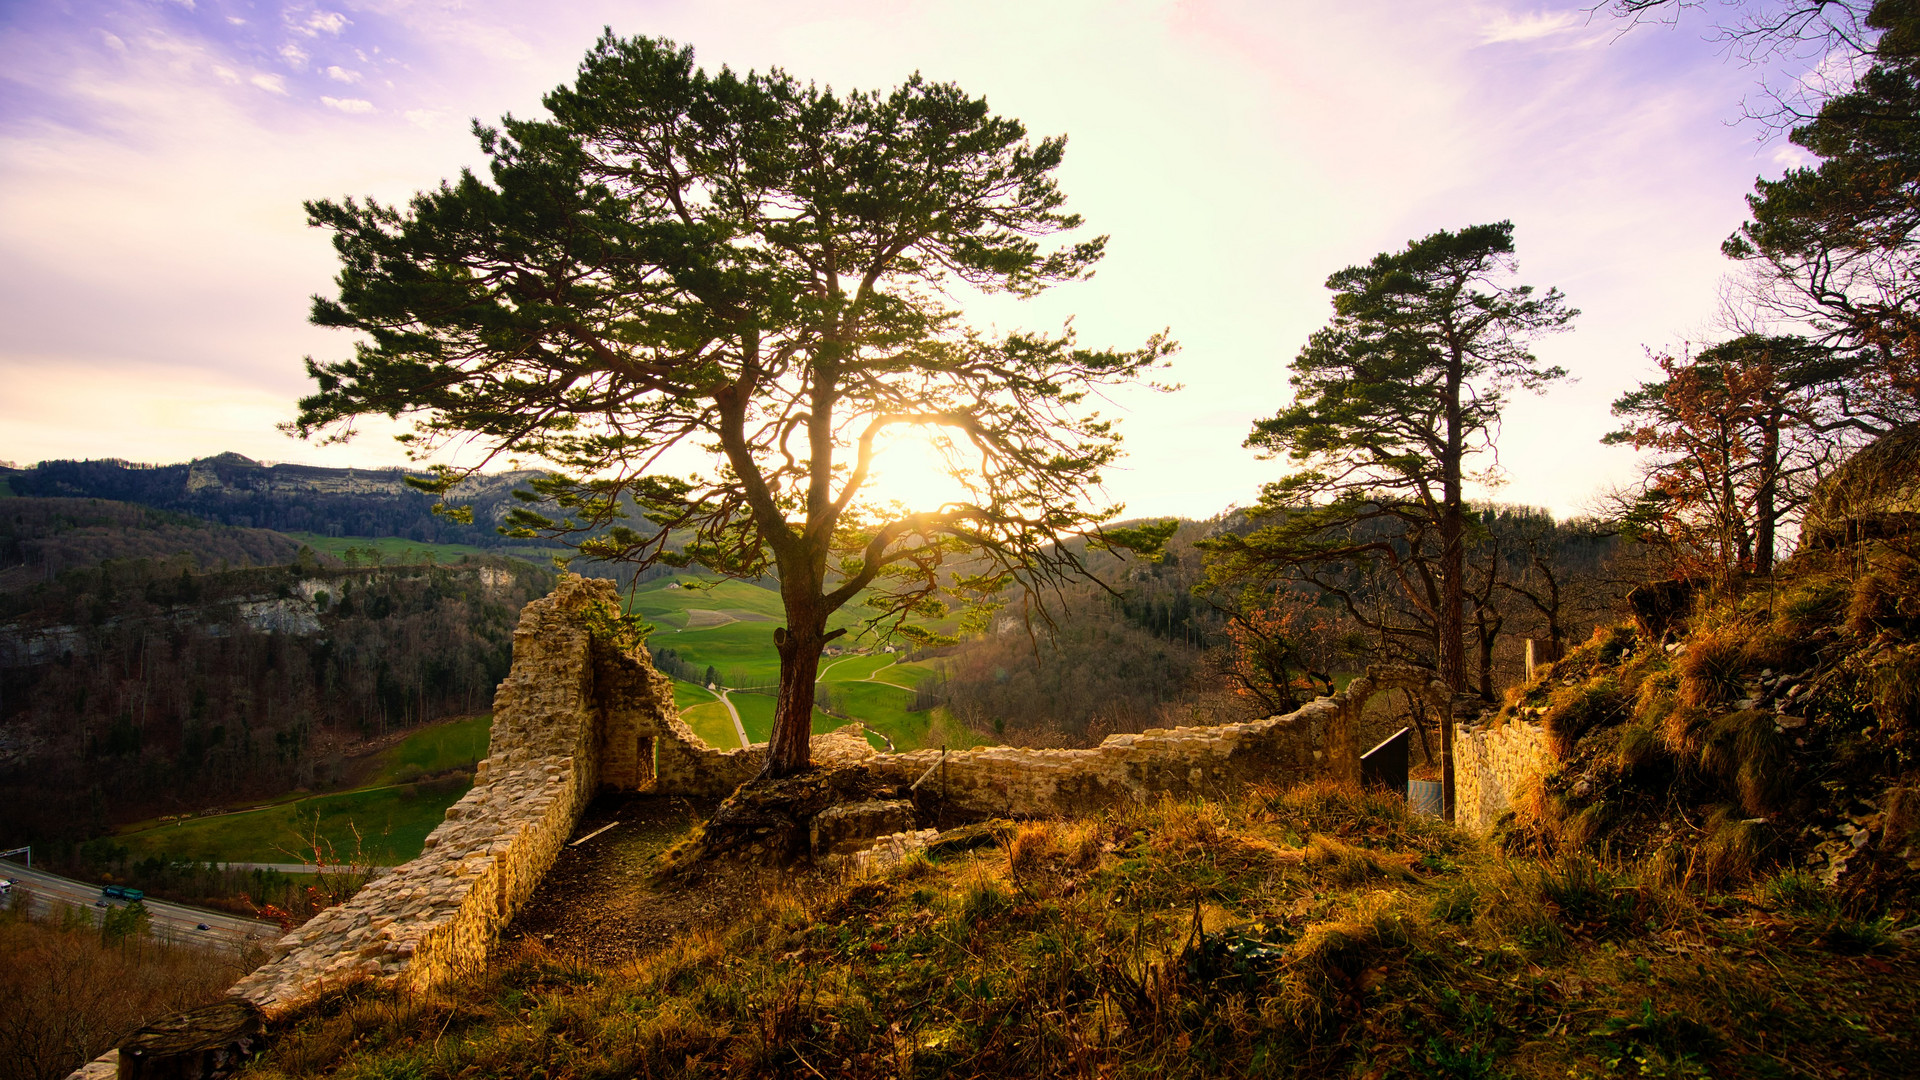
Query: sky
point(156, 265)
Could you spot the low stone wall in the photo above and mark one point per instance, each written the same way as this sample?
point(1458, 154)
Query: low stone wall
point(1490, 767)
point(1182, 762)
point(575, 714)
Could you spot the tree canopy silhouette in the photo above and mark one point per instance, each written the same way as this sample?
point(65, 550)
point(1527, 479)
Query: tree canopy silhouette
point(715, 299)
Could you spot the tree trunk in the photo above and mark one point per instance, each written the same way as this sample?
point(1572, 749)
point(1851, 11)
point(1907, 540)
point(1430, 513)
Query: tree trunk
point(789, 747)
point(1453, 570)
point(1488, 636)
point(1766, 497)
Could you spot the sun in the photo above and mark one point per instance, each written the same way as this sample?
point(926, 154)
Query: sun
point(914, 470)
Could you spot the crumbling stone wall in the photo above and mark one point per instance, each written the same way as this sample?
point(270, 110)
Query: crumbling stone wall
point(1316, 739)
point(1490, 767)
point(575, 714)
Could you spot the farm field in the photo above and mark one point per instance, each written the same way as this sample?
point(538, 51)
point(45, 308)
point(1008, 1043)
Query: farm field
point(397, 549)
point(729, 627)
point(393, 812)
point(392, 822)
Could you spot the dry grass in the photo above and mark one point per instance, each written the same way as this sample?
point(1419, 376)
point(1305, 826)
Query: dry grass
point(67, 996)
point(1304, 932)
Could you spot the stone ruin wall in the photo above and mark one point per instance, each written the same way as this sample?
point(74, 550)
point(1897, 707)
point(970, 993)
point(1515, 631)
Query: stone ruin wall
point(1491, 767)
point(576, 714)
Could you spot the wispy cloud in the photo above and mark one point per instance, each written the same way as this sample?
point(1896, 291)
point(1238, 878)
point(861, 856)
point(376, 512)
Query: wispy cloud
point(1789, 156)
point(1506, 26)
point(294, 55)
point(320, 22)
point(166, 186)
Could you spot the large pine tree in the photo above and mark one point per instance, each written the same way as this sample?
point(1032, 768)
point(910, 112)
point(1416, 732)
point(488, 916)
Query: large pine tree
point(1391, 401)
point(717, 298)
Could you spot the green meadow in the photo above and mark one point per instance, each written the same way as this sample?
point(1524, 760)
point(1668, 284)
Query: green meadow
point(457, 744)
point(399, 550)
point(392, 814)
point(384, 825)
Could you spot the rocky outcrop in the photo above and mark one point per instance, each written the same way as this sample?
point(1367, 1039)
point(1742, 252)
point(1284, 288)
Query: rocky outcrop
point(1875, 494)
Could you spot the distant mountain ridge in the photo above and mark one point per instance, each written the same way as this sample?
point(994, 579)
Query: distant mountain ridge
point(234, 490)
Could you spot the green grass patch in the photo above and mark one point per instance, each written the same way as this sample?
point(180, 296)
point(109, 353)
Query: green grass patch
point(906, 676)
point(392, 822)
point(756, 715)
point(458, 744)
point(399, 550)
point(686, 695)
point(742, 652)
point(671, 596)
point(852, 668)
point(713, 723)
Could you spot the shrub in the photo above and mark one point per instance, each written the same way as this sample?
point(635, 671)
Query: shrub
point(1575, 710)
point(1733, 851)
point(1896, 687)
point(1745, 751)
point(1711, 668)
point(1887, 597)
point(1638, 747)
point(1030, 849)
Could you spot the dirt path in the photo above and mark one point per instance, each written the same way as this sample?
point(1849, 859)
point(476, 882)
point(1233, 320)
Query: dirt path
point(596, 903)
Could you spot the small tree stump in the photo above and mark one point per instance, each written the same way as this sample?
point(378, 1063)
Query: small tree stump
point(207, 1043)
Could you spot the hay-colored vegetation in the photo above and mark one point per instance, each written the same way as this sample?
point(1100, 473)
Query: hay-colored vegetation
point(69, 992)
point(1310, 932)
point(1774, 735)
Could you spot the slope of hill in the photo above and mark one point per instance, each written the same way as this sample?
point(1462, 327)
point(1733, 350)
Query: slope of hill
point(234, 490)
point(1779, 727)
point(1305, 933)
point(41, 537)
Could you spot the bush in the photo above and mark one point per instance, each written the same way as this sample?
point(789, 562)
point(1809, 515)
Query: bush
point(1575, 710)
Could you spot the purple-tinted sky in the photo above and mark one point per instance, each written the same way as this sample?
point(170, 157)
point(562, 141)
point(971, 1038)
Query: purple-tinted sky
point(154, 155)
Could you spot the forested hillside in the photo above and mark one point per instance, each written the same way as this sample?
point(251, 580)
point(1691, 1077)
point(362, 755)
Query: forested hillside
point(146, 686)
point(39, 538)
point(234, 490)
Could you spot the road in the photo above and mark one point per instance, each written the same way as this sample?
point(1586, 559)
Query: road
point(735, 713)
point(171, 922)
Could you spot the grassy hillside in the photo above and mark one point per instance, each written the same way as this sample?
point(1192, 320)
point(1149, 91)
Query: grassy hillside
point(387, 820)
point(729, 627)
point(1301, 933)
point(1781, 728)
